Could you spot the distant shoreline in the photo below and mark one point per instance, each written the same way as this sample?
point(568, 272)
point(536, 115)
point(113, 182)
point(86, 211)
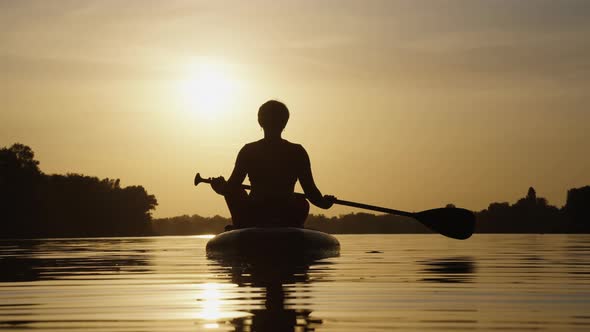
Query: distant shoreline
point(183, 235)
point(36, 205)
point(529, 215)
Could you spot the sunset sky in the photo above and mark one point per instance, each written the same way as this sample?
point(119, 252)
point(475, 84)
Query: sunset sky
point(405, 104)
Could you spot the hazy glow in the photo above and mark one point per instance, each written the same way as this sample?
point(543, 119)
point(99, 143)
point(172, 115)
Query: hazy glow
point(208, 90)
point(404, 104)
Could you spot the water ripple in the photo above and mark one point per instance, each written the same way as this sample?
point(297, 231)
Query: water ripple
point(379, 283)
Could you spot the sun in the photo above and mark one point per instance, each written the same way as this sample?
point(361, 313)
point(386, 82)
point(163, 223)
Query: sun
point(208, 91)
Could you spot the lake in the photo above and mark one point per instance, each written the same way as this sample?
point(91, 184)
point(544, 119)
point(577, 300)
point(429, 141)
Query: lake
point(379, 283)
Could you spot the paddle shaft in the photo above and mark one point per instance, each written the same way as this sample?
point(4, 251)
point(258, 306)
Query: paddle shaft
point(374, 208)
point(337, 201)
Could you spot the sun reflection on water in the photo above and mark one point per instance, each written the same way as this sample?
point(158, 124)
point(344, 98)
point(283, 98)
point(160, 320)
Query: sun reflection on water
point(206, 236)
point(211, 297)
point(213, 303)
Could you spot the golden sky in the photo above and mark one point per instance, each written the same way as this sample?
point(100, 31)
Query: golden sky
point(405, 104)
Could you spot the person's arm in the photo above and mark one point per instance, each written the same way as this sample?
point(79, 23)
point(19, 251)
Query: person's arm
point(312, 192)
point(238, 175)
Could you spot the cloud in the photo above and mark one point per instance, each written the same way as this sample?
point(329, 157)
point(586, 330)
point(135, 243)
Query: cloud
point(438, 43)
point(49, 69)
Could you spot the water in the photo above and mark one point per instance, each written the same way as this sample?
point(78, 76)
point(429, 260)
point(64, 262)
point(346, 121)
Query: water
point(379, 283)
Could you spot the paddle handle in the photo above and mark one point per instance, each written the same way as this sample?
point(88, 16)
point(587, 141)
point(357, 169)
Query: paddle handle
point(199, 179)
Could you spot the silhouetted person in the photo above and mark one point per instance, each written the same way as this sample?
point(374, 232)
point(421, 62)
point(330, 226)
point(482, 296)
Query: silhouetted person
point(273, 166)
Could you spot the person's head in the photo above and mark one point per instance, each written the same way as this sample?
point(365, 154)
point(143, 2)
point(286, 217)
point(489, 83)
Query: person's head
point(273, 116)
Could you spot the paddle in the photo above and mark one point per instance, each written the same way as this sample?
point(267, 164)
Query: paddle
point(452, 222)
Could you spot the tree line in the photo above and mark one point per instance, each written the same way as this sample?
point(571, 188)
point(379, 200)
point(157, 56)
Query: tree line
point(34, 204)
point(531, 214)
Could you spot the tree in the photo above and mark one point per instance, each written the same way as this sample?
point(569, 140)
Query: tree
point(19, 180)
point(577, 208)
point(17, 164)
point(531, 195)
point(33, 204)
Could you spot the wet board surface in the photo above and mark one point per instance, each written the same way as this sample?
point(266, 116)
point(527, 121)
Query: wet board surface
point(273, 243)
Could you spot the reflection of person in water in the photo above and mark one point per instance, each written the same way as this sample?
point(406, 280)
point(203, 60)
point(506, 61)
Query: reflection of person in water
point(273, 166)
point(274, 316)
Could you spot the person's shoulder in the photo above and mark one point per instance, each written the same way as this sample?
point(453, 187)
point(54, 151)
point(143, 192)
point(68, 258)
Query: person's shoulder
point(251, 145)
point(293, 145)
point(248, 148)
point(297, 148)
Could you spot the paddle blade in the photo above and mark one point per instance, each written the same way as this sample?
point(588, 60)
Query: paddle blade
point(455, 223)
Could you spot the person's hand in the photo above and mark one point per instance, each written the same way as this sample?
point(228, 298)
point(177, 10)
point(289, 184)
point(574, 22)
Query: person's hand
point(328, 201)
point(218, 185)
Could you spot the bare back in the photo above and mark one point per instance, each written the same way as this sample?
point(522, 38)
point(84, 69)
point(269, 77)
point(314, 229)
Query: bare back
point(273, 167)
